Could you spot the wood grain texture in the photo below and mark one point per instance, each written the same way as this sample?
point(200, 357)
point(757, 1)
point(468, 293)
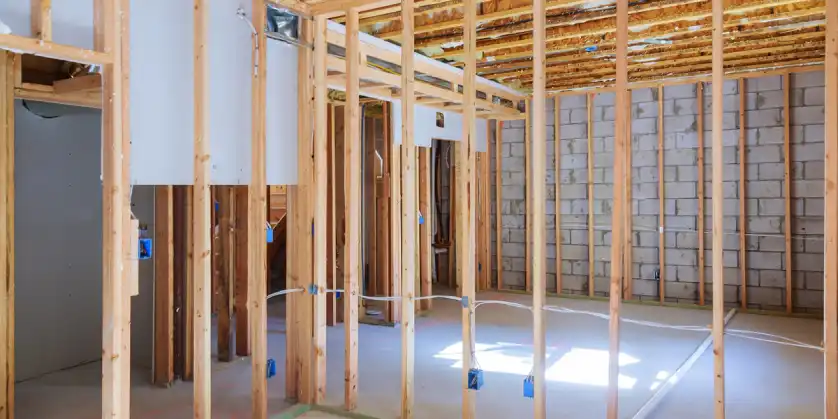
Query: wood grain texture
point(164, 279)
point(539, 217)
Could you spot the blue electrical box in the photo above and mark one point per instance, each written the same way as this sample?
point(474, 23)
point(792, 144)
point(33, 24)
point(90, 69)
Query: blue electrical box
point(421, 218)
point(144, 249)
point(271, 368)
point(475, 379)
point(270, 234)
point(529, 386)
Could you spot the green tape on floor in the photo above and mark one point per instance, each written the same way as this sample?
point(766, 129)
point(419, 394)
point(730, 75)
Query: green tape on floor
point(300, 409)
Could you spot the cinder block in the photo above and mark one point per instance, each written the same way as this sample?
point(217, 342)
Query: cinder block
point(807, 299)
point(761, 84)
point(763, 189)
point(513, 221)
point(572, 161)
point(813, 133)
point(770, 99)
point(772, 225)
point(769, 206)
point(644, 110)
point(807, 79)
point(771, 171)
point(686, 206)
point(686, 240)
point(807, 152)
point(578, 115)
point(807, 115)
point(679, 91)
point(680, 257)
point(813, 207)
point(772, 278)
point(765, 296)
point(644, 95)
point(812, 262)
point(676, 190)
point(807, 189)
point(770, 135)
point(574, 252)
point(814, 280)
point(813, 96)
point(765, 260)
point(682, 290)
point(517, 236)
point(680, 157)
point(686, 123)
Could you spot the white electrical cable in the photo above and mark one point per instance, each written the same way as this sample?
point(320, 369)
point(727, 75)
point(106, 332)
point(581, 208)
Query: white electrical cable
point(283, 292)
point(501, 302)
point(442, 297)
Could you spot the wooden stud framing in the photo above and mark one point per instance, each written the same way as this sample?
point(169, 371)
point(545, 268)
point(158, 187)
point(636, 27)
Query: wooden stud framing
point(743, 201)
point(241, 276)
point(34, 46)
point(452, 218)
point(557, 164)
point(700, 192)
point(622, 108)
point(591, 282)
point(787, 182)
point(662, 204)
point(467, 202)
point(189, 300)
point(718, 211)
point(425, 229)
point(628, 235)
point(227, 277)
point(7, 236)
point(114, 186)
point(499, 201)
point(331, 226)
point(321, 190)
point(257, 216)
point(164, 281)
point(352, 274)
point(830, 280)
point(409, 208)
point(539, 219)
point(528, 164)
point(42, 20)
point(202, 225)
point(485, 249)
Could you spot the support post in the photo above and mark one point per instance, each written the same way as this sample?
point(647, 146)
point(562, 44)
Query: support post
point(321, 109)
point(114, 215)
point(164, 280)
point(227, 272)
point(830, 279)
point(425, 235)
point(7, 235)
point(257, 216)
point(353, 208)
point(661, 204)
point(718, 210)
point(241, 276)
point(528, 160)
point(628, 234)
point(617, 216)
point(787, 181)
point(557, 164)
point(42, 19)
point(499, 201)
point(539, 219)
point(468, 201)
point(202, 225)
point(743, 202)
point(408, 219)
point(700, 192)
point(590, 182)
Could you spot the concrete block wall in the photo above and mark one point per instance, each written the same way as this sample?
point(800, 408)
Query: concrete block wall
point(764, 192)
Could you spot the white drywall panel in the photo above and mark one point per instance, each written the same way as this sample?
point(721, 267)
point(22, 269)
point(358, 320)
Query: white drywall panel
point(281, 110)
point(161, 92)
point(229, 46)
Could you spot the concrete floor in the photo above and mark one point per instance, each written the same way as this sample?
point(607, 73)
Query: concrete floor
point(764, 380)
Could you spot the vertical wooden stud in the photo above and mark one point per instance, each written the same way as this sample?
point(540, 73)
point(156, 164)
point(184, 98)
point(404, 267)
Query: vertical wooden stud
point(257, 216)
point(452, 217)
point(830, 279)
point(189, 300)
point(628, 235)
point(409, 207)
point(743, 202)
point(42, 19)
point(539, 218)
point(352, 274)
point(499, 201)
point(701, 233)
point(331, 218)
point(557, 163)
point(321, 92)
point(7, 235)
point(528, 160)
point(787, 181)
point(662, 203)
point(591, 260)
point(718, 210)
point(622, 108)
point(227, 272)
point(467, 202)
point(164, 279)
point(425, 234)
point(241, 276)
point(201, 243)
point(114, 349)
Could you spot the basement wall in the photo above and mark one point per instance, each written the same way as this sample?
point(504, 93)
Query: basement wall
point(764, 193)
point(58, 243)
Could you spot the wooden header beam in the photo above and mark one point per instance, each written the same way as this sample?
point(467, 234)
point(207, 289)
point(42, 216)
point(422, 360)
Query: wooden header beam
point(42, 48)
